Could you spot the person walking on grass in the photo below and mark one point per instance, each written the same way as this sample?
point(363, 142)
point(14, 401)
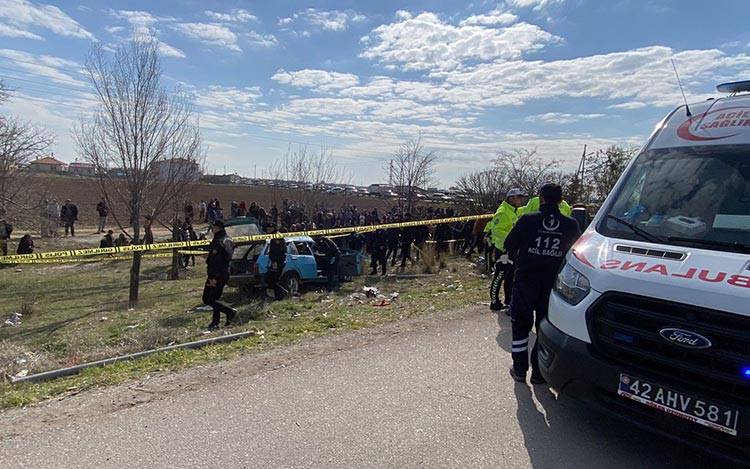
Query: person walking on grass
point(219, 255)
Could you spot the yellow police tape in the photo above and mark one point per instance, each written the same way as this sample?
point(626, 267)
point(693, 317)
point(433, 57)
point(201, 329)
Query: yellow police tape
point(70, 260)
point(54, 256)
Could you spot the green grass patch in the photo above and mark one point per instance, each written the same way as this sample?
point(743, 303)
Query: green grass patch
point(79, 314)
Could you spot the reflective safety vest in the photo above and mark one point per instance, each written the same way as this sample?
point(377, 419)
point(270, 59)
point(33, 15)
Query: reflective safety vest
point(533, 206)
point(502, 222)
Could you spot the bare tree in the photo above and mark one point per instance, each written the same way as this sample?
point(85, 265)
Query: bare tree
point(484, 189)
point(20, 143)
point(146, 132)
point(525, 169)
point(411, 168)
point(605, 169)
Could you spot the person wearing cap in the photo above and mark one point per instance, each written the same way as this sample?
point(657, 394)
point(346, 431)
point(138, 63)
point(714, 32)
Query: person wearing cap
point(502, 222)
point(537, 244)
point(219, 255)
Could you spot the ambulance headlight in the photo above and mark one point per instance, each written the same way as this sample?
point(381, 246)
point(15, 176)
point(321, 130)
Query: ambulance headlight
point(571, 285)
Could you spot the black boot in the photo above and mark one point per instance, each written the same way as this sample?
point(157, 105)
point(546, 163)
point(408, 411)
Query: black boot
point(517, 377)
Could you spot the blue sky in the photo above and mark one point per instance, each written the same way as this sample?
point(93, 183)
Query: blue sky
point(357, 78)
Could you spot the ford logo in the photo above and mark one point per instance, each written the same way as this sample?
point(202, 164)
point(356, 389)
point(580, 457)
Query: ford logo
point(684, 338)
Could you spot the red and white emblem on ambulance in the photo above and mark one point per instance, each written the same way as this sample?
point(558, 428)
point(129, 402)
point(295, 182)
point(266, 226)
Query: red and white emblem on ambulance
point(716, 125)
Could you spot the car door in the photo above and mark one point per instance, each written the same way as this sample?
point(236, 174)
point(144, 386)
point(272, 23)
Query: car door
point(305, 260)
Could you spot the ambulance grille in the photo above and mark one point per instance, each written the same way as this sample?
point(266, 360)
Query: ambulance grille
point(659, 253)
point(625, 328)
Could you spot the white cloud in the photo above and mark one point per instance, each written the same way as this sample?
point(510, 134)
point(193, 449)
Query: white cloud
point(534, 4)
point(628, 105)
point(327, 20)
point(425, 42)
point(494, 17)
point(213, 34)
point(260, 40)
point(643, 75)
point(53, 68)
point(10, 31)
point(143, 25)
point(562, 117)
point(114, 29)
point(403, 15)
point(318, 79)
point(22, 14)
point(225, 97)
point(237, 15)
point(170, 51)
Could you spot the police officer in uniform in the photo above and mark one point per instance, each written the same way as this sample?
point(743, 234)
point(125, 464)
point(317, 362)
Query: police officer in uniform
point(538, 244)
point(502, 222)
point(219, 255)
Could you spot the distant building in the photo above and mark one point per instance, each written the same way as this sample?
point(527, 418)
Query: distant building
point(48, 164)
point(81, 169)
point(178, 167)
point(222, 178)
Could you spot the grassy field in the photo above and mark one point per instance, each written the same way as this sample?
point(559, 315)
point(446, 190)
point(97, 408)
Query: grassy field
point(75, 313)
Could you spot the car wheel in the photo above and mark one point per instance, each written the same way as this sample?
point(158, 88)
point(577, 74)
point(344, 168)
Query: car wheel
point(291, 283)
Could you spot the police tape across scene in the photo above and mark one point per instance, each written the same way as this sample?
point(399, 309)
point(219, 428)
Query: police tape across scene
point(53, 256)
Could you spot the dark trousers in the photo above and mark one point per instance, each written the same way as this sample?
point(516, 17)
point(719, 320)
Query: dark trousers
point(273, 280)
point(331, 271)
point(211, 296)
point(392, 253)
point(405, 253)
point(379, 256)
point(70, 225)
point(530, 295)
point(503, 275)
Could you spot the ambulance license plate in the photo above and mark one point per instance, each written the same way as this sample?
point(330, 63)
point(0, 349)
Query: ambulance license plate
point(702, 412)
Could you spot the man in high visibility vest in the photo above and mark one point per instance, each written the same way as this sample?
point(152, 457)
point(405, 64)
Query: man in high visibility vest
point(502, 222)
point(533, 206)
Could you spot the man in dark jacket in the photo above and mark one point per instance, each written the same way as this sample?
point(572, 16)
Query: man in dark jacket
point(407, 237)
point(537, 244)
point(102, 210)
point(393, 236)
point(25, 245)
point(276, 263)
point(329, 255)
point(5, 230)
point(69, 216)
point(108, 240)
point(219, 255)
point(378, 252)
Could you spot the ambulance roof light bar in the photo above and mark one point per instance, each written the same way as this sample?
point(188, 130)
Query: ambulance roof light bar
point(734, 87)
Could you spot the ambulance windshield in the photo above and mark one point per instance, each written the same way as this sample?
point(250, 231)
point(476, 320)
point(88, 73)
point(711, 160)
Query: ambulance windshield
point(696, 197)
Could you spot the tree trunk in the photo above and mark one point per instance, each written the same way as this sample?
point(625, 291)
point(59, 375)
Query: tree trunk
point(135, 276)
point(135, 269)
point(174, 272)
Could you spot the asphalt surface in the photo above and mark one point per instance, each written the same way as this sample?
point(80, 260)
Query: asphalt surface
point(436, 394)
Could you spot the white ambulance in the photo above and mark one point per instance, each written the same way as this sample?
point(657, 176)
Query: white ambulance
point(650, 315)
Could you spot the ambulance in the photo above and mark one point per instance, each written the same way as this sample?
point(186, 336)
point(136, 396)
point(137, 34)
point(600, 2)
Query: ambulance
point(649, 319)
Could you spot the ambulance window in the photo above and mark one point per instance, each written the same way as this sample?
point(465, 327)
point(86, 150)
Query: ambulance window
point(700, 193)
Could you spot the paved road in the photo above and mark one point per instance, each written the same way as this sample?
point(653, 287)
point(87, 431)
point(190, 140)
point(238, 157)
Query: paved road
point(434, 395)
